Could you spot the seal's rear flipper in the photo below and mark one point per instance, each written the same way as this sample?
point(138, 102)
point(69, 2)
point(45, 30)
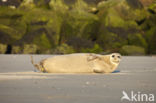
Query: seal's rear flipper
point(40, 67)
point(35, 65)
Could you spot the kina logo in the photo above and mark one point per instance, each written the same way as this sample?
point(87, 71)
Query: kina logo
point(137, 97)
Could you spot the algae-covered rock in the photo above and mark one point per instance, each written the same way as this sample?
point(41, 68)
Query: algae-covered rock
point(11, 23)
point(152, 7)
point(115, 13)
point(149, 29)
point(118, 20)
point(38, 19)
point(27, 4)
point(43, 41)
point(150, 36)
point(42, 3)
point(3, 48)
point(95, 49)
point(79, 23)
point(58, 5)
point(38, 38)
point(63, 49)
point(10, 32)
point(135, 4)
point(97, 25)
point(121, 13)
point(132, 50)
point(5, 38)
point(112, 39)
point(80, 5)
point(9, 3)
point(80, 43)
point(16, 50)
point(137, 39)
point(43, 28)
point(29, 49)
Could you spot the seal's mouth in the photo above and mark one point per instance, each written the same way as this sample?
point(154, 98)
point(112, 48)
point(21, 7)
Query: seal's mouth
point(116, 61)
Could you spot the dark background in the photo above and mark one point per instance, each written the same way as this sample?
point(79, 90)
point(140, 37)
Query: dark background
point(69, 26)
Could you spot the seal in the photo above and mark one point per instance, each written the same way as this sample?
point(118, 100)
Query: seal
point(79, 63)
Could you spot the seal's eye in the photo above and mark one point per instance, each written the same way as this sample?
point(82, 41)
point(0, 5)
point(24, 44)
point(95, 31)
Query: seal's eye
point(119, 57)
point(113, 56)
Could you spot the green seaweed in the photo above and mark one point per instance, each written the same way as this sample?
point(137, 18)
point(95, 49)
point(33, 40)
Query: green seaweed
point(106, 26)
point(132, 50)
point(43, 41)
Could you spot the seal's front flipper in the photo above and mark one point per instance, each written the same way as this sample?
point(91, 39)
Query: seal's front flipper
point(92, 57)
point(98, 71)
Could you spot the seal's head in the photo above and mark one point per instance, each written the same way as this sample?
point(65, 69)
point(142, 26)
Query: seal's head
point(115, 58)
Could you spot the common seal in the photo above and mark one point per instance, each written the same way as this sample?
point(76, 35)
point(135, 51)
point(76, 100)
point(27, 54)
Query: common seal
point(80, 63)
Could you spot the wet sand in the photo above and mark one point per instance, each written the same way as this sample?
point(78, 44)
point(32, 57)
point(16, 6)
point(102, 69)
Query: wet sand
point(20, 84)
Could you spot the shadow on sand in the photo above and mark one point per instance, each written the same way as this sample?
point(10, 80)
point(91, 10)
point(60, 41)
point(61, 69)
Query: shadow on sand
point(116, 71)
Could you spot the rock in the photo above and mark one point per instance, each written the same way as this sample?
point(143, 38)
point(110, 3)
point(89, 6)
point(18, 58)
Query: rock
point(132, 50)
point(79, 23)
point(42, 3)
point(146, 3)
point(150, 36)
point(115, 14)
point(135, 3)
point(29, 49)
point(137, 39)
point(80, 43)
point(58, 5)
point(43, 28)
point(8, 30)
point(15, 3)
point(12, 23)
point(102, 24)
point(120, 23)
point(63, 49)
point(152, 8)
point(95, 49)
point(16, 49)
point(43, 42)
point(3, 48)
point(27, 4)
point(149, 29)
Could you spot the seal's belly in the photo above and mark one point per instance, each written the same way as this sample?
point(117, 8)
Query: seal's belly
point(68, 64)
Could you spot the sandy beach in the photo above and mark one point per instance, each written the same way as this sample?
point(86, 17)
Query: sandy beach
point(20, 84)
